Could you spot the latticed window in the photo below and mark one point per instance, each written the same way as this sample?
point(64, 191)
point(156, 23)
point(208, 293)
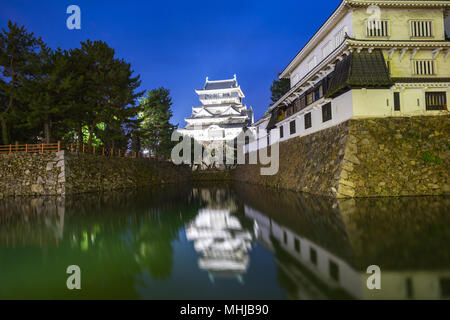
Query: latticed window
point(308, 120)
point(436, 100)
point(377, 28)
point(326, 112)
point(421, 28)
point(424, 67)
point(292, 127)
point(340, 37)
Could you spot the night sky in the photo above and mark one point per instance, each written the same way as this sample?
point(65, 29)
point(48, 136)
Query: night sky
point(176, 44)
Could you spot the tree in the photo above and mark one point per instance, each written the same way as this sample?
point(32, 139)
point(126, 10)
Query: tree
point(156, 129)
point(107, 94)
point(18, 54)
point(50, 103)
point(279, 88)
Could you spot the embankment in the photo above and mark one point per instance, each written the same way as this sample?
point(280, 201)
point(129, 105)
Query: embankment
point(365, 158)
point(63, 173)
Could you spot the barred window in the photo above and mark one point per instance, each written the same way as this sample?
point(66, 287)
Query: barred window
point(377, 28)
point(308, 120)
point(326, 112)
point(424, 67)
point(436, 100)
point(421, 28)
point(292, 127)
point(340, 37)
point(326, 49)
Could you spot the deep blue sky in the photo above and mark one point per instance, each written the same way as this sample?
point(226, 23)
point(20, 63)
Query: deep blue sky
point(176, 44)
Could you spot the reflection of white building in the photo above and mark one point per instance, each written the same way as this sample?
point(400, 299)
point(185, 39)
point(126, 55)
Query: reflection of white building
point(335, 273)
point(221, 240)
point(221, 115)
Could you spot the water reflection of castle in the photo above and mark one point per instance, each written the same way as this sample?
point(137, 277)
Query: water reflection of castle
point(298, 258)
point(222, 242)
point(219, 237)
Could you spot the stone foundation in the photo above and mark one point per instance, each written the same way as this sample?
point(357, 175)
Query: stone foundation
point(365, 158)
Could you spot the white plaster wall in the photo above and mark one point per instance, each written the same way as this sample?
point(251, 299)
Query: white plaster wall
point(380, 102)
point(302, 69)
point(341, 110)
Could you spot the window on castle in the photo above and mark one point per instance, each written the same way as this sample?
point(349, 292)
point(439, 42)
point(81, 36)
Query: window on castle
point(292, 127)
point(396, 101)
point(308, 120)
point(309, 98)
point(313, 256)
point(318, 93)
point(297, 245)
point(312, 63)
point(326, 112)
point(421, 28)
point(436, 100)
point(340, 37)
point(334, 270)
point(377, 28)
point(281, 132)
point(424, 67)
point(302, 102)
point(326, 49)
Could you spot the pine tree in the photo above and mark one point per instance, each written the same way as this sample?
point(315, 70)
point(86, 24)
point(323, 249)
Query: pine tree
point(156, 128)
point(18, 54)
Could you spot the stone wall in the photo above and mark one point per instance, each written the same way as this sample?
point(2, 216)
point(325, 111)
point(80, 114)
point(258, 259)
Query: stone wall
point(309, 164)
point(63, 173)
point(31, 174)
point(365, 158)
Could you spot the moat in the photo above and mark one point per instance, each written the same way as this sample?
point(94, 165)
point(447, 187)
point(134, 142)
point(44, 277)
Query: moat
point(223, 241)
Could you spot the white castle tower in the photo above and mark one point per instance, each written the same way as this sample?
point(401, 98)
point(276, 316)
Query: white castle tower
point(222, 115)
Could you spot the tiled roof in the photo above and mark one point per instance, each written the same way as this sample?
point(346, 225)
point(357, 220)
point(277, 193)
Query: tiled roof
point(273, 119)
point(225, 84)
point(362, 69)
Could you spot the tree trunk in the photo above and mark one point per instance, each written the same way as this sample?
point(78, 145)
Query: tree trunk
point(5, 139)
point(47, 131)
point(80, 136)
point(91, 133)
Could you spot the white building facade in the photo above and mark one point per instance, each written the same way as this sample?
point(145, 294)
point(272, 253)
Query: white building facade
point(371, 58)
point(222, 115)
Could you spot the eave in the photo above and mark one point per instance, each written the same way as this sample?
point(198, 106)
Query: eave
point(326, 65)
point(329, 23)
point(398, 3)
point(237, 89)
point(387, 44)
point(339, 13)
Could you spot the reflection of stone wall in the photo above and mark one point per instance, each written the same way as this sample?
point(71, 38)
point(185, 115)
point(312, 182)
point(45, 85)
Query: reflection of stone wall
point(213, 175)
point(68, 173)
point(364, 158)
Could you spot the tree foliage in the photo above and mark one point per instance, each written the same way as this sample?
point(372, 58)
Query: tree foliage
point(279, 88)
point(155, 131)
point(84, 94)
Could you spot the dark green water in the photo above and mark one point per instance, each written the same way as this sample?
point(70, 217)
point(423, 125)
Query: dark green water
point(224, 242)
